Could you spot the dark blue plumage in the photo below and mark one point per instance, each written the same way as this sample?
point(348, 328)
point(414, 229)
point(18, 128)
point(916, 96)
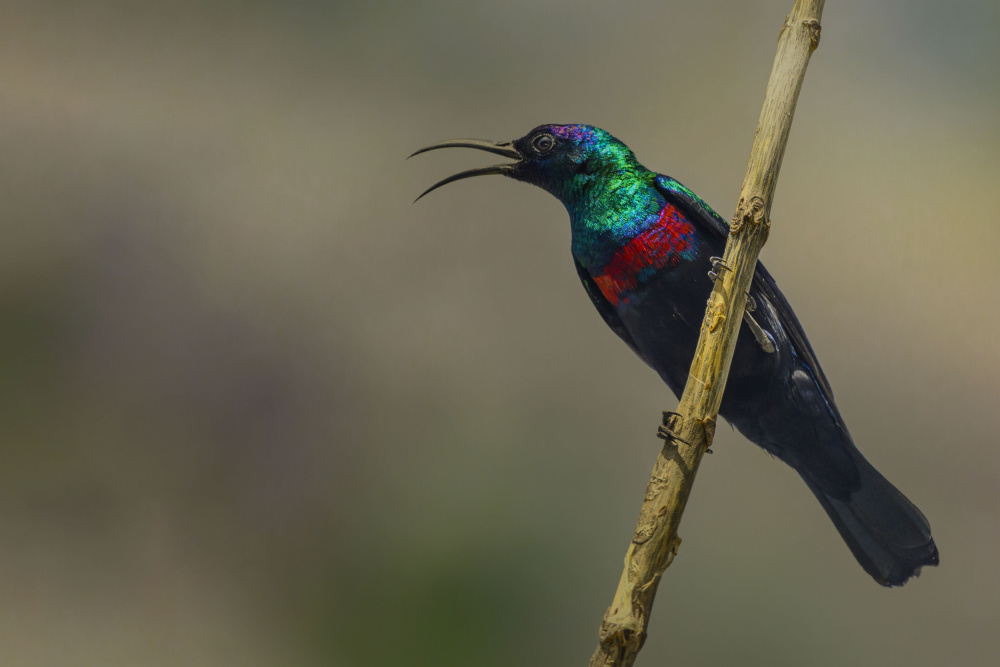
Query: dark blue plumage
point(641, 246)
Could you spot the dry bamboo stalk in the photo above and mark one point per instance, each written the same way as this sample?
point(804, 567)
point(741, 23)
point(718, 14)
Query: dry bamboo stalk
point(689, 431)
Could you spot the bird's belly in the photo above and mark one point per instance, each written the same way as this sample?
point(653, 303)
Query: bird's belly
point(664, 318)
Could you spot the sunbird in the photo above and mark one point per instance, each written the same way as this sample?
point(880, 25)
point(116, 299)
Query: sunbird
point(647, 251)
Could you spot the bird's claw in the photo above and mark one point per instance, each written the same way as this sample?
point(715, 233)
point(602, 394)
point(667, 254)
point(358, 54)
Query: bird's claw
point(664, 432)
point(717, 264)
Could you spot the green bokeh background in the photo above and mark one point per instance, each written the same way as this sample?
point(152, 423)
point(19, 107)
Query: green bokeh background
point(258, 409)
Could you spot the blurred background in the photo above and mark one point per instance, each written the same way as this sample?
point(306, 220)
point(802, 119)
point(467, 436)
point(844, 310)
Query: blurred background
point(256, 408)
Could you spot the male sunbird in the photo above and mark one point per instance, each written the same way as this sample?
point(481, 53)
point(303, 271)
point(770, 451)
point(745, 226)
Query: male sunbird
point(646, 249)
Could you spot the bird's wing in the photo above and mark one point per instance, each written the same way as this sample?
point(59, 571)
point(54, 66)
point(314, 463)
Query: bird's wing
point(605, 308)
point(701, 213)
point(765, 283)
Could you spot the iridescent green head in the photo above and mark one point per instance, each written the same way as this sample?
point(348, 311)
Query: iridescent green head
point(570, 160)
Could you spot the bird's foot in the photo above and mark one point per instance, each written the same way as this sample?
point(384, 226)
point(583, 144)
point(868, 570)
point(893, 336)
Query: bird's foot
point(717, 265)
point(664, 432)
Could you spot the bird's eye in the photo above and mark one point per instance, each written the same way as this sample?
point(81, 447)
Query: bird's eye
point(543, 143)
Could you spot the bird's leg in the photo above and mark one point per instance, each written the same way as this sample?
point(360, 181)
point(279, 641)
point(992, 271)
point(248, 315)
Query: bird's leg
point(763, 338)
point(717, 264)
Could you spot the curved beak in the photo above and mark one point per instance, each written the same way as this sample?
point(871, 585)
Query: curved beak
point(505, 149)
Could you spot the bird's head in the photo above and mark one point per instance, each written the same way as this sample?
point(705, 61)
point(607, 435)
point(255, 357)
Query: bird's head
point(573, 162)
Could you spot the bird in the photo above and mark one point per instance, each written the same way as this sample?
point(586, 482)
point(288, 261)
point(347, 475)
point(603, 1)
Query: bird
point(646, 249)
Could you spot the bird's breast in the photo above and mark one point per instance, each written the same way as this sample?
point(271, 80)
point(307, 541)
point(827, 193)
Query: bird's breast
point(662, 244)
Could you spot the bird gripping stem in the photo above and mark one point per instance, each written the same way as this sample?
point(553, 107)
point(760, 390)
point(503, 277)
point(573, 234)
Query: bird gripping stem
point(654, 544)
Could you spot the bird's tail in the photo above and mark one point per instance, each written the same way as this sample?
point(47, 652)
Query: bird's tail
point(888, 535)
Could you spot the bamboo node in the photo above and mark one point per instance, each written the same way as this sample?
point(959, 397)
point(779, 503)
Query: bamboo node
point(753, 212)
point(814, 28)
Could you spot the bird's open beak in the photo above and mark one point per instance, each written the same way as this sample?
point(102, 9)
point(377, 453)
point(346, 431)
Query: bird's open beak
point(505, 148)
